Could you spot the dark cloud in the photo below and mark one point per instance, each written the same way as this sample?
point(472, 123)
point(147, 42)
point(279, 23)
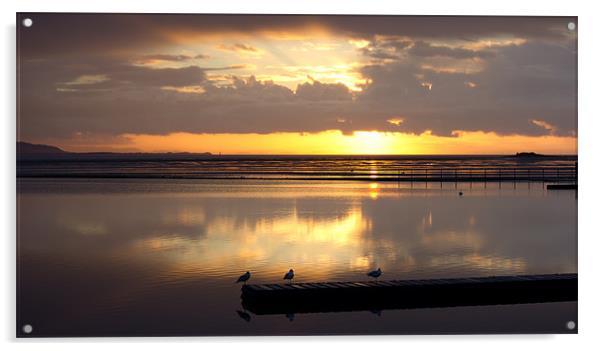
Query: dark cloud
point(321, 91)
point(380, 54)
point(533, 81)
point(44, 76)
point(125, 75)
point(86, 84)
point(64, 34)
point(237, 66)
point(386, 49)
point(167, 57)
point(250, 90)
point(420, 48)
point(157, 77)
point(238, 47)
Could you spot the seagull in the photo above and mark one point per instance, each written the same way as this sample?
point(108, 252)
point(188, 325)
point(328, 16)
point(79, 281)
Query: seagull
point(290, 275)
point(243, 278)
point(375, 274)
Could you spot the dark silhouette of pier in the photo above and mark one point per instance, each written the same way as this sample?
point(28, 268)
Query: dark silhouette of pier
point(407, 294)
point(458, 174)
point(546, 174)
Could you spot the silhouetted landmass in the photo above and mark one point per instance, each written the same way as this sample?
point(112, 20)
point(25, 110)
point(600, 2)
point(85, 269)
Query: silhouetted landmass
point(28, 151)
point(24, 148)
point(528, 154)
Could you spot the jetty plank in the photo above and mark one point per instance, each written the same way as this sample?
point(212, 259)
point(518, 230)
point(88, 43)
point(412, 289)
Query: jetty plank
point(562, 186)
point(414, 293)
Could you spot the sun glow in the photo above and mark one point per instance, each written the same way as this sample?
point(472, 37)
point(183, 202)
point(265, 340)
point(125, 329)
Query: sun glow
point(331, 142)
point(371, 143)
point(307, 241)
point(374, 191)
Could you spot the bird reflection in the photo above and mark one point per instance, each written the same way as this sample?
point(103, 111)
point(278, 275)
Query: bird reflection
point(290, 316)
point(244, 315)
point(377, 312)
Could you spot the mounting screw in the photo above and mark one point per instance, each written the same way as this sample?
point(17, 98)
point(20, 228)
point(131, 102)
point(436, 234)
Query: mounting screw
point(570, 325)
point(27, 329)
point(27, 22)
point(571, 26)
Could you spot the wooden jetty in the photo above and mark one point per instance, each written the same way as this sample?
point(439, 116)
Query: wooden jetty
point(562, 186)
point(407, 294)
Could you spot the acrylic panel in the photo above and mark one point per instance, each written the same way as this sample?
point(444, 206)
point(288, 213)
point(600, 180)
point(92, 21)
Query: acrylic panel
point(213, 174)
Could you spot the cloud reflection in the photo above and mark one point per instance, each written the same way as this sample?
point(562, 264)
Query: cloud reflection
point(323, 235)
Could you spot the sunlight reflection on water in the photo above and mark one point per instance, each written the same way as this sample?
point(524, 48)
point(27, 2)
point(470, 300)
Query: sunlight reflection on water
point(137, 242)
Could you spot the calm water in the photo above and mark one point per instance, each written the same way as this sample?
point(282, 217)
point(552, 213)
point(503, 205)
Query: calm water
point(159, 257)
point(274, 167)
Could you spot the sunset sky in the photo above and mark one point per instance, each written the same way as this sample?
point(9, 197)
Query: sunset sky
point(298, 84)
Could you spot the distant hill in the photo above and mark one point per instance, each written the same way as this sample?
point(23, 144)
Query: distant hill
point(28, 151)
point(24, 148)
point(528, 154)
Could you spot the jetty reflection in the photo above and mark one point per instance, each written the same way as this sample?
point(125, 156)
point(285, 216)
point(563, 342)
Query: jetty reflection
point(244, 315)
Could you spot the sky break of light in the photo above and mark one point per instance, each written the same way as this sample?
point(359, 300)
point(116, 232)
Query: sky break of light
point(299, 84)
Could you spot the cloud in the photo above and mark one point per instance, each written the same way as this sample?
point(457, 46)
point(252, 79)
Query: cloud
point(119, 33)
point(513, 86)
point(158, 77)
point(111, 75)
point(241, 48)
point(88, 79)
point(192, 89)
point(545, 125)
point(166, 57)
point(155, 58)
point(381, 54)
point(315, 90)
point(423, 49)
point(396, 121)
point(236, 66)
point(389, 48)
point(441, 79)
point(249, 90)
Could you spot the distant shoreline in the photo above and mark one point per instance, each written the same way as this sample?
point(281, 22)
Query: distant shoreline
point(116, 157)
point(39, 152)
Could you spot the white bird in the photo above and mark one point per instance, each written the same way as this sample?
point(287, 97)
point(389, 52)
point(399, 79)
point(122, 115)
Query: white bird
point(290, 275)
point(375, 274)
point(243, 278)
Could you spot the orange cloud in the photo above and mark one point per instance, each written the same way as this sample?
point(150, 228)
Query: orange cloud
point(397, 121)
point(241, 48)
point(545, 125)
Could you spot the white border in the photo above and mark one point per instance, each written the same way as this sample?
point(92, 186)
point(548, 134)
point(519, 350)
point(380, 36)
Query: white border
point(590, 244)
